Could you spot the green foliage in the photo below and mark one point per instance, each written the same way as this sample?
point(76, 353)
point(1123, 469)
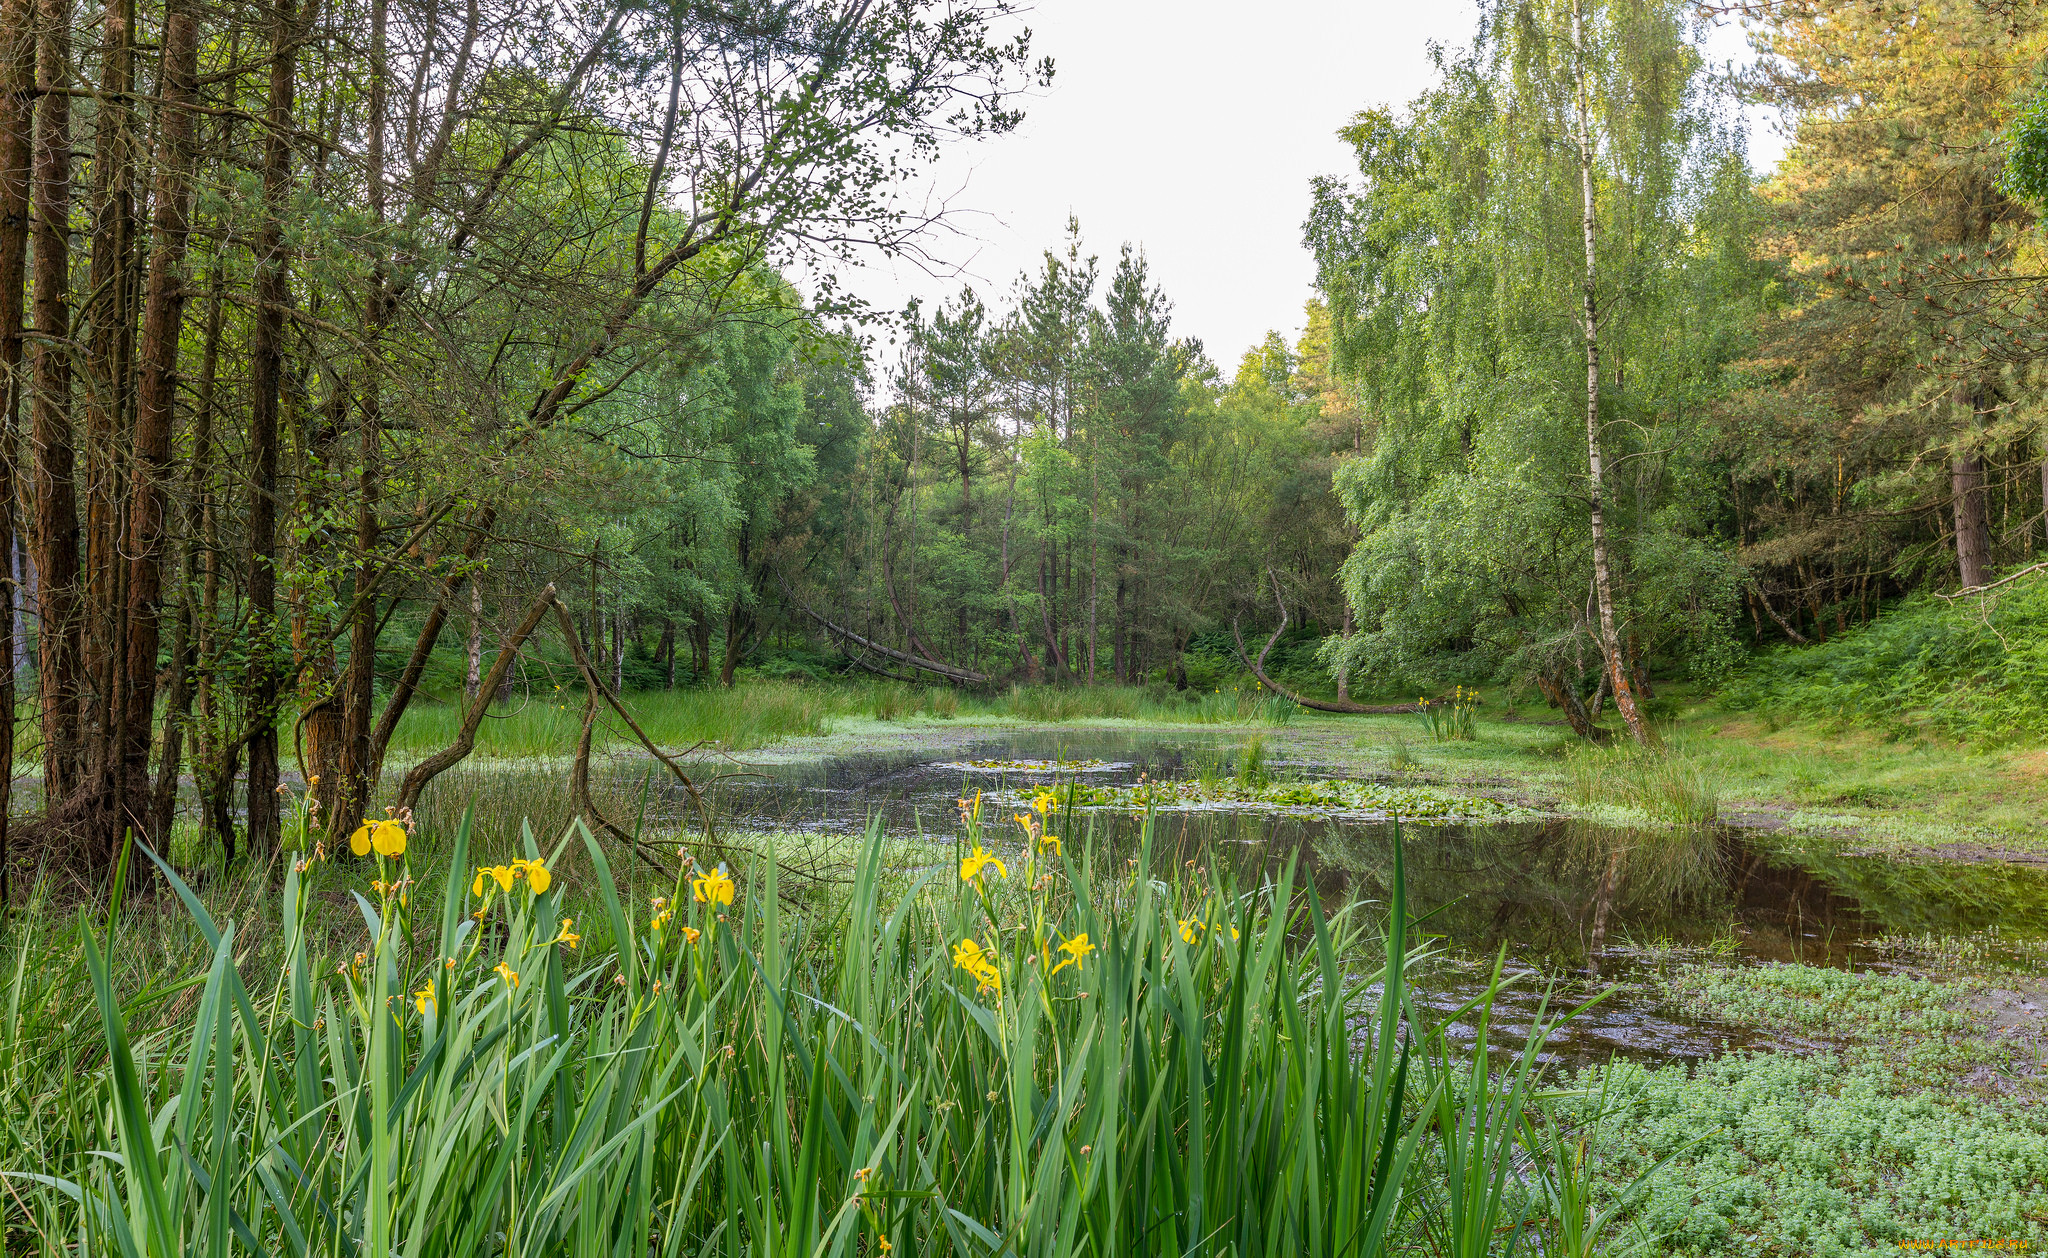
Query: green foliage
point(1881, 1140)
point(1253, 787)
point(1453, 266)
point(1974, 668)
point(1048, 1062)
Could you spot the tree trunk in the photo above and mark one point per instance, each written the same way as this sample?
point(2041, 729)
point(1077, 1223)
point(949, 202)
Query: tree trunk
point(102, 318)
point(1966, 477)
point(738, 625)
point(17, 113)
point(56, 557)
point(1343, 660)
point(476, 642)
point(266, 378)
point(162, 321)
point(1610, 642)
point(213, 753)
point(108, 312)
point(2044, 489)
point(358, 786)
point(1564, 694)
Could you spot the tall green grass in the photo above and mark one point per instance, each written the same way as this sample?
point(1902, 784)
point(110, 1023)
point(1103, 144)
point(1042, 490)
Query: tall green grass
point(1664, 783)
point(754, 715)
point(1141, 1062)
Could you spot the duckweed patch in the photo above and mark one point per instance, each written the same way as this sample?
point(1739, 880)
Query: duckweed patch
point(1329, 796)
point(1905, 1012)
point(1035, 766)
point(1829, 1155)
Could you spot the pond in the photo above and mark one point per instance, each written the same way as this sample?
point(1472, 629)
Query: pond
point(1586, 907)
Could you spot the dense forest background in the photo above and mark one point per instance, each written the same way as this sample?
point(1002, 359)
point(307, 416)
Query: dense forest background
point(373, 353)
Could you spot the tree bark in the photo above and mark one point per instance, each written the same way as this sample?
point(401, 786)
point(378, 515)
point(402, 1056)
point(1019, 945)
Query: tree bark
point(1564, 694)
point(1610, 640)
point(162, 322)
point(17, 113)
point(266, 378)
point(59, 631)
point(108, 312)
point(1343, 661)
point(476, 642)
point(357, 770)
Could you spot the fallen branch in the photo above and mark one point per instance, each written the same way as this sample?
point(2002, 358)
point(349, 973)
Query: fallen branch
point(579, 777)
point(1258, 669)
point(1757, 592)
point(1986, 589)
point(952, 672)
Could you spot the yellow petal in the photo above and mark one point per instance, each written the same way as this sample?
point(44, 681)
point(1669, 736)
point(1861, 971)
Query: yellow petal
point(359, 842)
point(388, 837)
point(504, 875)
point(537, 874)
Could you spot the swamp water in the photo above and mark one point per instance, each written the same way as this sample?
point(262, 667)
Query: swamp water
point(1583, 907)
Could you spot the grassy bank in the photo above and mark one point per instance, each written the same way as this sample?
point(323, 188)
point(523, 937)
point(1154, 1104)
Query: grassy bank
point(760, 713)
point(1902, 791)
point(1928, 793)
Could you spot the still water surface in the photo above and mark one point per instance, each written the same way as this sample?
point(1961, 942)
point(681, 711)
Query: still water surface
point(1584, 906)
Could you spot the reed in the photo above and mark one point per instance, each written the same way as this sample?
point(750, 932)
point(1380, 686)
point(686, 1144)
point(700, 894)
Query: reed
point(1023, 1053)
point(1665, 784)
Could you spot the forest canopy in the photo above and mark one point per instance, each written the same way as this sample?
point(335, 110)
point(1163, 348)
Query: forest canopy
point(366, 355)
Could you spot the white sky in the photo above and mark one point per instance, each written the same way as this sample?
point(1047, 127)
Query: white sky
point(1191, 129)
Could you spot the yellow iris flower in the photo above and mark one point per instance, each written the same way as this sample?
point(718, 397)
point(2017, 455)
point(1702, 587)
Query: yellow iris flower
point(423, 999)
point(537, 875)
point(713, 888)
point(503, 875)
point(980, 965)
point(971, 868)
point(386, 838)
point(564, 937)
point(1077, 950)
point(510, 975)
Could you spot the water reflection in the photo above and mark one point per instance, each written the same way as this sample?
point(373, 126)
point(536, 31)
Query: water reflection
point(1585, 905)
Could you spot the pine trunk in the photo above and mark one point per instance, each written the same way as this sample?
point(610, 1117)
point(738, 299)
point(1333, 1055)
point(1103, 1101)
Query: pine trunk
point(17, 113)
point(56, 510)
point(162, 321)
point(266, 379)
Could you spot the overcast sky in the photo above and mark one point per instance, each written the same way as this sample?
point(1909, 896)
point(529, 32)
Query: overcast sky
point(1191, 129)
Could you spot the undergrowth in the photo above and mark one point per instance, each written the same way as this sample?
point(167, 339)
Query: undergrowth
point(1975, 668)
